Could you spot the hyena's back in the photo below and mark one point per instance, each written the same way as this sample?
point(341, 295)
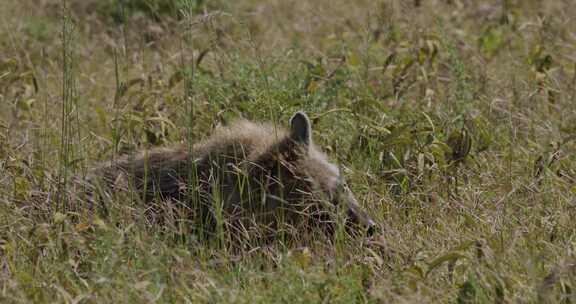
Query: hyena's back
point(165, 173)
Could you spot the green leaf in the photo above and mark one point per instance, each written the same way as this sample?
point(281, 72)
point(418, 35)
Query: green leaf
point(59, 217)
point(26, 104)
point(449, 257)
point(416, 271)
point(491, 41)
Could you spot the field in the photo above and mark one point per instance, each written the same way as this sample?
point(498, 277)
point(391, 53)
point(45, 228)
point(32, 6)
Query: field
point(454, 122)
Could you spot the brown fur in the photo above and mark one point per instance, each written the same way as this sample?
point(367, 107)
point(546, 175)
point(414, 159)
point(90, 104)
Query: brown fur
point(259, 174)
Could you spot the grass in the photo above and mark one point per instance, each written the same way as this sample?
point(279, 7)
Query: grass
point(453, 122)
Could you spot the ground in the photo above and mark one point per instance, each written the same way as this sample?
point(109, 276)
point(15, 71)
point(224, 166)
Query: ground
point(453, 122)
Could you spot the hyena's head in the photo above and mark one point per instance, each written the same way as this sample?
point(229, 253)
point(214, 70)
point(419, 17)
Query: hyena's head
point(298, 178)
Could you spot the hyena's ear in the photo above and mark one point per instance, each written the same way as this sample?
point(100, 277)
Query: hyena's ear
point(300, 130)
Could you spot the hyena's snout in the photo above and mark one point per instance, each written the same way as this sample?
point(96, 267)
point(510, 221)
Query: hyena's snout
point(360, 222)
point(357, 220)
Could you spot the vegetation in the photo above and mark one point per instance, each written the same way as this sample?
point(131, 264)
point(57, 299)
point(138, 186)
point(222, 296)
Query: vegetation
point(453, 121)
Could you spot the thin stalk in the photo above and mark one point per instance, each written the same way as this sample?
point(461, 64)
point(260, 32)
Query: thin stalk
point(68, 92)
point(188, 68)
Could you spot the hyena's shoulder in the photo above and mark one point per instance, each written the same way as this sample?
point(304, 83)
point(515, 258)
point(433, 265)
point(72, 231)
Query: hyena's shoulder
point(252, 137)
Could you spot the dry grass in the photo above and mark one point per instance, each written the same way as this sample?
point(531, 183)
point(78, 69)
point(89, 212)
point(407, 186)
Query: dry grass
point(454, 123)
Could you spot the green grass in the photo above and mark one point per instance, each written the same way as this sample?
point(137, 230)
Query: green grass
point(453, 121)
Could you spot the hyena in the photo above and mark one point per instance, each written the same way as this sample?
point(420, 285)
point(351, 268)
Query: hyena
point(249, 174)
